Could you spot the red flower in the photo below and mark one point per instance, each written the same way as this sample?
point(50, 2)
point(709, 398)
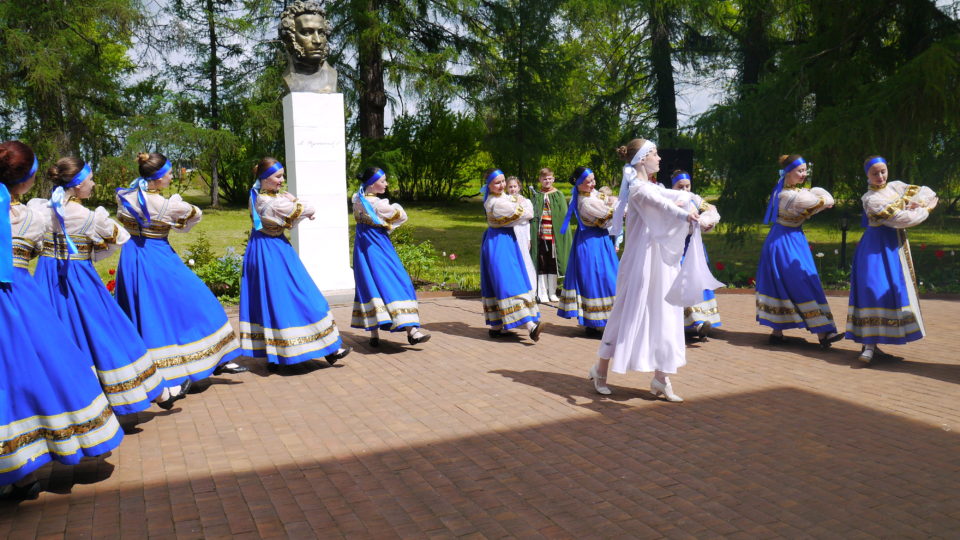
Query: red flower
point(923, 246)
point(111, 285)
point(939, 253)
point(112, 271)
point(453, 256)
point(719, 266)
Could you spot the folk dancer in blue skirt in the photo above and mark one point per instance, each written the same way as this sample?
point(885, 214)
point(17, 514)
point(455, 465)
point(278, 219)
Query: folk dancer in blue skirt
point(884, 307)
point(789, 292)
point(181, 322)
point(506, 291)
point(699, 318)
point(98, 326)
point(384, 297)
point(51, 404)
point(283, 316)
point(590, 286)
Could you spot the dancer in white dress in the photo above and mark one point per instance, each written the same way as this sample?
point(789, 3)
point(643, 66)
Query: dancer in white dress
point(522, 227)
point(645, 332)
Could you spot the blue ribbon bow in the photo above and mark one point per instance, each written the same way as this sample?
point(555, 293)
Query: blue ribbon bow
point(140, 186)
point(56, 202)
point(254, 215)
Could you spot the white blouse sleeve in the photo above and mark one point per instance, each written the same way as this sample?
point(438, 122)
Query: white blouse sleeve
point(504, 211)
point(709, 217)
point(803, 203)
point(652, 197)
point(106, 234)
point(594, 211)
point(289, 211)
point(42, 216)
point(895, 211)
point(391, 214)
point(527, 215)
point(181, 214)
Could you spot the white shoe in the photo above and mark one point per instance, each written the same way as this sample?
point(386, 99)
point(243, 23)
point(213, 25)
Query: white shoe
point(599, 383)
point(542, 295)
point(658, 388)
point(552, 287)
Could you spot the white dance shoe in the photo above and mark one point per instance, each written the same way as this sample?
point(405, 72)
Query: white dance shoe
point(599, 383)
point(658, 389)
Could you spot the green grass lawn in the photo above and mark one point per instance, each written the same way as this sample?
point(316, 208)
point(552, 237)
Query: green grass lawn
point(457, 229)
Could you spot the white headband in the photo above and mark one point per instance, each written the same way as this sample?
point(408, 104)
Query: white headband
point(645, 149)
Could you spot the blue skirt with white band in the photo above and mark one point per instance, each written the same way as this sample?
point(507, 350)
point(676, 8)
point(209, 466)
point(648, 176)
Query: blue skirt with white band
point(883, 300)
point(789, 293)
point(590, 286)
point(283, 315)
point(384, 296)
point(51, 404)
point(181, 322)
point(505, 289)
point(99, 327)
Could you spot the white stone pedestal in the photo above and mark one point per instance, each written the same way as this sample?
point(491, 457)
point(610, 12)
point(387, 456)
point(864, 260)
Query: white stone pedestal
point(316, 170)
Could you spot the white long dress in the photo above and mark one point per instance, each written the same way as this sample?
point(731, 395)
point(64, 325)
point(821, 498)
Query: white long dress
point(644, 332)
point(522, 232)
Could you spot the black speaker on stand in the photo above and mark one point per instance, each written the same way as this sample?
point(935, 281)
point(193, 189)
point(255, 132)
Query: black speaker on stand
point(671, 159)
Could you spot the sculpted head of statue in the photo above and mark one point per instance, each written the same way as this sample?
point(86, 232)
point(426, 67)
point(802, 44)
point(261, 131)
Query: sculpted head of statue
point(305, 31)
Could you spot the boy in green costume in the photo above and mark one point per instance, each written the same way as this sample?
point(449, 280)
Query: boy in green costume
point(548, 248)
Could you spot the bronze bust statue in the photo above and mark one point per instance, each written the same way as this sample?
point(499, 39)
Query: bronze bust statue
point(305, 33)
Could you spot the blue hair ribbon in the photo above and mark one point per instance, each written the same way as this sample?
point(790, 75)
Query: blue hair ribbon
point(57, 202)
point(270, 171)
point(6, 237)
point(864, 219)
point(362, 195)
point(679, 177)
point(30, 173)
point(774, 204)
point(161, 172)
point(6, 230)
point(574, 201)
point(485, 190)
point(871, 163)
point(255, 192)
point(80, 177)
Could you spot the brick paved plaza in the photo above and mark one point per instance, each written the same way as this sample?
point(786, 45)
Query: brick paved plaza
point(467, 437)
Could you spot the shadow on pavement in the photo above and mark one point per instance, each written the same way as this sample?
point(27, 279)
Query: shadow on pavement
point(776, 462)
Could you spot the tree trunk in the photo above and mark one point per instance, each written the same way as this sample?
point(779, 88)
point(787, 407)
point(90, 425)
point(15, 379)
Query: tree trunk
point(373, 97)
point(754, 43)
point(214, 104)
point(661, 60)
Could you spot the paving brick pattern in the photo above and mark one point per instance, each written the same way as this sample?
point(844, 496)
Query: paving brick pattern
point(466, 437)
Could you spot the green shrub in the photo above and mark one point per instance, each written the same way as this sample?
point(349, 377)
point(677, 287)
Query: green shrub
point(220, 274)
point(199, 253)
point(418, 259)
